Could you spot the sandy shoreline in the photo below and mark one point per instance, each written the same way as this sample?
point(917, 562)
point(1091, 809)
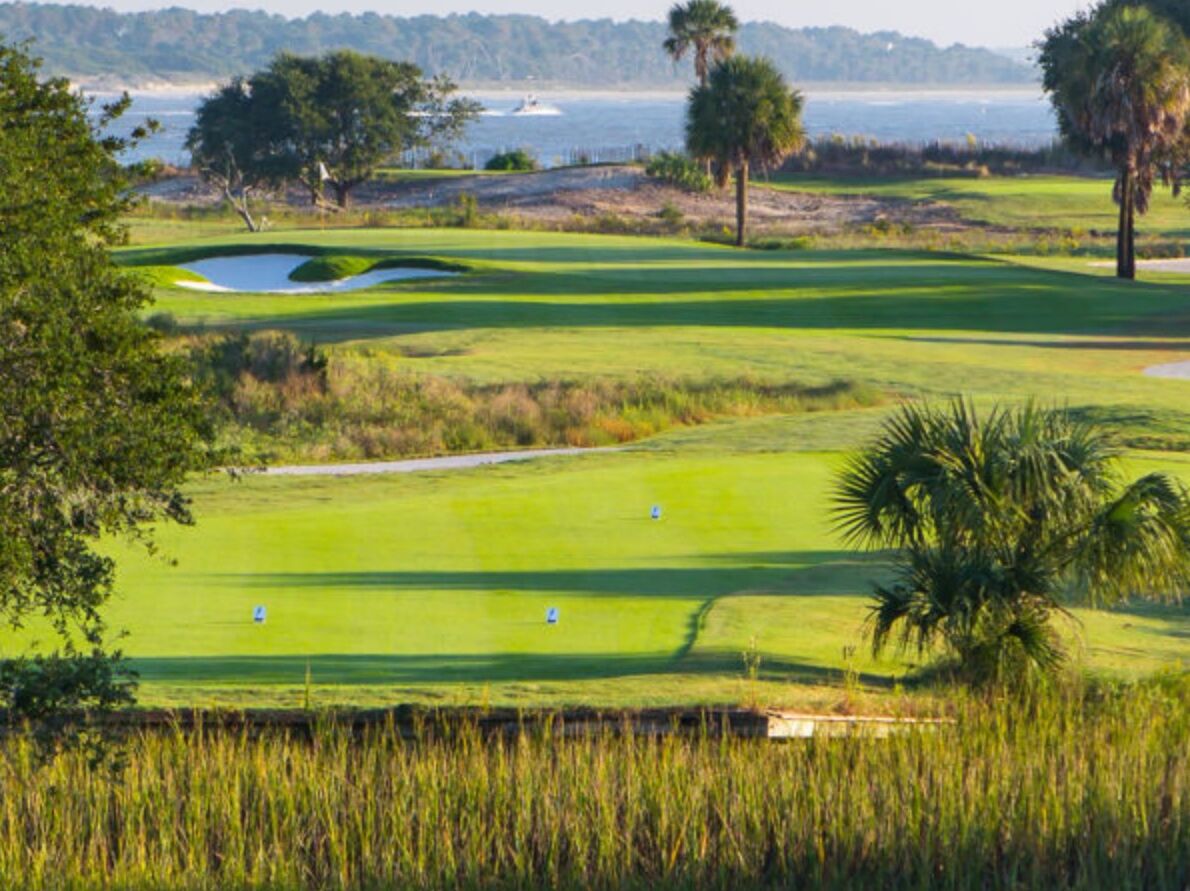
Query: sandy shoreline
point(819, 91)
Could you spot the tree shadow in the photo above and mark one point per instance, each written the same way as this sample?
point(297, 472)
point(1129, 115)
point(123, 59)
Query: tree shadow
point(801, 573)
point(775, 573)
point(1174, 343)
point(361, 669)
point(1015, 302)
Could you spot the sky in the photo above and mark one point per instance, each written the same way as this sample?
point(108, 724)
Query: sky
point(1004, 23)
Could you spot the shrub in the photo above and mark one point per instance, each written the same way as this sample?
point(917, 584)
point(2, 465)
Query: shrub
point(996, 520)
point(162, 322)
point(515, 161)
point(679, 170)
point(671, 215)
point(467, 207)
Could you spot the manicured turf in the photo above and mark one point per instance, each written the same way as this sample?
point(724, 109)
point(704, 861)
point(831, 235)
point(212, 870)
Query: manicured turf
point(547, 306)
point(1028, 202)
point(416, 582)
point(436, 586)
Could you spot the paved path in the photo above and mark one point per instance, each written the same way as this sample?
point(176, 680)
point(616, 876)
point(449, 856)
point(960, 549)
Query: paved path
point(1179, 370)
point(450, 462)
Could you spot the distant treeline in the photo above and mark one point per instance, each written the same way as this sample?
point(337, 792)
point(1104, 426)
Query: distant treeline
point(183, 46)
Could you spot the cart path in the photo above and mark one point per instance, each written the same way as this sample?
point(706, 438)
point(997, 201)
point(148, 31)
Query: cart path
point(415, 465)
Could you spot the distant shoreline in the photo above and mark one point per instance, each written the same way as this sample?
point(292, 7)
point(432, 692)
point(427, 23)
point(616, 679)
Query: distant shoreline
point(819, 89)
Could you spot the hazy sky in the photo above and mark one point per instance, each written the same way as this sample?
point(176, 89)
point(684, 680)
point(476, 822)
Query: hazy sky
point(1003, 23)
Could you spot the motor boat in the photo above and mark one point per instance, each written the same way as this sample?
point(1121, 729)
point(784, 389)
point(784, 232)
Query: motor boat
point(530, 105)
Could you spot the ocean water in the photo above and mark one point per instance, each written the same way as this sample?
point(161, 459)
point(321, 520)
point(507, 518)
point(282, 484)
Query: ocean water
point(613, 127)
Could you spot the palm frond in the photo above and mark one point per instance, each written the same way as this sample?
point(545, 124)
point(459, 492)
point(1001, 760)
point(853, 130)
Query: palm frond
point(1138, 544)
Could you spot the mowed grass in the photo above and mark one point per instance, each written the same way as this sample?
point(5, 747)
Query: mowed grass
point(1019, 202)
point(434, 587)
point(543, 306)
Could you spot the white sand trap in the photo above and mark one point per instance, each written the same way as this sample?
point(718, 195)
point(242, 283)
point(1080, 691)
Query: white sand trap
point(1178, 264)
point(1177, 370)
point(269, 274)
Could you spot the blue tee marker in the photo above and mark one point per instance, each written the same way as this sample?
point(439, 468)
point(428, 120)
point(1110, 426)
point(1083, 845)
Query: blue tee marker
point(655, 513)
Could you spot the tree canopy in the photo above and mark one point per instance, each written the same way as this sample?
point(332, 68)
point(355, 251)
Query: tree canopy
point(705, 29)
point(98, 429)
point(745, 114)
point(1119, 80)
point(234, 144)
point(325, 121)
point(997, 520)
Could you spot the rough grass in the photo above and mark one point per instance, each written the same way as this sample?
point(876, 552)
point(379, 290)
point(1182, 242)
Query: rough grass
point(1075, 790)
point(286, 401)
point(1074, 204)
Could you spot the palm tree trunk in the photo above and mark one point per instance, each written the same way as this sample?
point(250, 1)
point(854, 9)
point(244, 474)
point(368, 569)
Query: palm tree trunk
point(1125, 237)
point(1130, 244)
point(741, 203)
point(701, 72)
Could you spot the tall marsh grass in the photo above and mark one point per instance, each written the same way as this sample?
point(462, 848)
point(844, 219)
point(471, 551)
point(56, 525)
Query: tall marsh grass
point(1065, 793)
point(282, 399)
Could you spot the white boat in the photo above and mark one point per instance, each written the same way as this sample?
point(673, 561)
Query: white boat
point(531, 106)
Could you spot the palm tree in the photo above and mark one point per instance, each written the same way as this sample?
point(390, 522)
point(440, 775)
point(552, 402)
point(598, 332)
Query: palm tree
point(1119, 80)
point(996, 520)
point(706, 27)
point(744, 114)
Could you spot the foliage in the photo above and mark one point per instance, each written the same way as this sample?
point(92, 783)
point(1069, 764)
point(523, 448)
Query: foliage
point(1080, 789)
point(679, 170)
point(320, 121)
point(188, 47)
point(234, 145)
point(282, 398)
point(842, 155)
point(996, 520)
point(704, 29)
point(344, 113)
point(744, 115)
point(97, 429)
point(1119, 80)
point(517, 160)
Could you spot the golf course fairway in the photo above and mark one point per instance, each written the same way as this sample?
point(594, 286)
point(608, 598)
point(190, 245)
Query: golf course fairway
point(434, 586)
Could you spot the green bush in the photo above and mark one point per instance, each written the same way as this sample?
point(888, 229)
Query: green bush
point(679, 170)
point(516, 161)
point(671, 215)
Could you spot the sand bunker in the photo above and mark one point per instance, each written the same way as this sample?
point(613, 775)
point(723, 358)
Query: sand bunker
point(1177, 264)
point(269, 274)
point(1178, 370)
